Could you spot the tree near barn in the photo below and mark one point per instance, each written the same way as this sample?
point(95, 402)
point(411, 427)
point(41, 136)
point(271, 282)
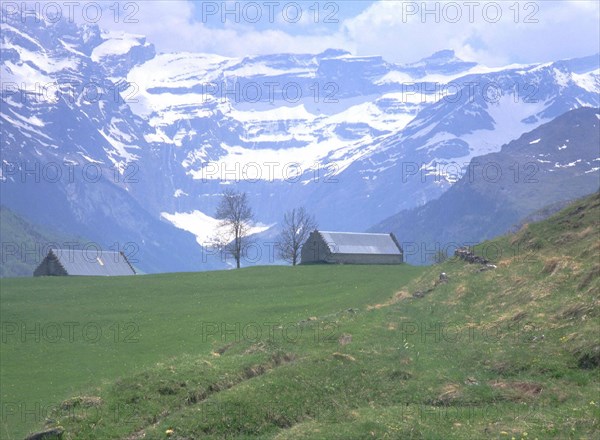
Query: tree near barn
point(235, 214)
point(296, 227)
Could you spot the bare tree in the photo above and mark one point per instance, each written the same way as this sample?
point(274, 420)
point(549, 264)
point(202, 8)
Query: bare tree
point(295, 229)
point(235, 214)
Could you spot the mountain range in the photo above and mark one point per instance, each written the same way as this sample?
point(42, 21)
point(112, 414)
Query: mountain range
point(104, 138)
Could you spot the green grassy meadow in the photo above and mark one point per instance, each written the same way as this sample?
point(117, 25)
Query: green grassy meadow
point(62, 335)
point(345, 352)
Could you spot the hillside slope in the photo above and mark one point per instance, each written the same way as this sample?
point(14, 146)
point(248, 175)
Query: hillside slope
point(503, 351)
point(556, 162)
point(24, 244)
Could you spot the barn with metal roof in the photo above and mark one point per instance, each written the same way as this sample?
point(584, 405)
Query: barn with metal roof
point(351, 248)
point(78, 262)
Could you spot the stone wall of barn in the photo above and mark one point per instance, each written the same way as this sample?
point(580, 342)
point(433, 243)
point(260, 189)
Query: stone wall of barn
point(315, 250)
point(49, 267)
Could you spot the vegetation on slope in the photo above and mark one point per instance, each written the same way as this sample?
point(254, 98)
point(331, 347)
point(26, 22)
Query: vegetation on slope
point(509, 351)
point(24, 245)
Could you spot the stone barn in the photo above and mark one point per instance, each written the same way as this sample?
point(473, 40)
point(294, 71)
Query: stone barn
point(351, 248)
point(91, 262)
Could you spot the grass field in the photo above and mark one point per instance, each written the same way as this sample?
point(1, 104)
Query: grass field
point(345, 352)
point(62, 335)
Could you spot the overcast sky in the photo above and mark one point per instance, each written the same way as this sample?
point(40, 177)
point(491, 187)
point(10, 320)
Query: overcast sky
point(493, 33)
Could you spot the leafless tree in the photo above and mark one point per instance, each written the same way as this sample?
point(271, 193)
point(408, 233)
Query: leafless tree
point(235, 214)
point(295, 229)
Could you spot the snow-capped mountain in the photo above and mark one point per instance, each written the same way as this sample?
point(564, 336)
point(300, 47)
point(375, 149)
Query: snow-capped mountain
point(354, 139)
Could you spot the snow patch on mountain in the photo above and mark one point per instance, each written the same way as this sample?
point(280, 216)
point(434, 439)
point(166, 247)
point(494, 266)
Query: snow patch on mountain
point(120, 154)
point(567, 165)
point(181, 70)
point(562, 78)
point(26, 124)
point(8, 28)
point(589, 81)
point(395, 77)
point(372, 114)
point(240, 163)
point(72, 48)
point(284, 112)
point(21, 73)
point(441, 79)
point(205, 228)
point(262, 69)
point(42, 60)
point(116, 43)
point(179, 193)
point(510, 121)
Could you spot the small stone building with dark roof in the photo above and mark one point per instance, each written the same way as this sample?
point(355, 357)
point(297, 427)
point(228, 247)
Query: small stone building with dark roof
point(351, 248)
point(91, 262)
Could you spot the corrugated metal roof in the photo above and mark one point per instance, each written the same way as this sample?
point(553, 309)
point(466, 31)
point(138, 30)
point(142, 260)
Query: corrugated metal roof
point(360, 243)
point(92, 262)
